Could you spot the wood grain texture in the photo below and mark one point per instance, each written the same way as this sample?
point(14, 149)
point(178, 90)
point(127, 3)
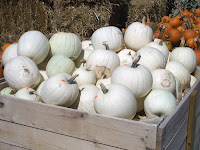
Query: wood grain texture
point(6, 146)
point(36, 139)
point(183, 145)
point(172, 123)
point(122, 133)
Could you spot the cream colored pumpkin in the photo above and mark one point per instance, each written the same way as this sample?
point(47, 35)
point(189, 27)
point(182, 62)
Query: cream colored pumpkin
point(21, 72)
point(9, 53)
point(111, 34)
point(185, 56)
point(126, 56)
point(28, 94)
point(33, 44)
point(84, 76)
point(66, 43)
point(138, 35)
point(180, 72)
point(105, 81)
point(60, 63)
point(152, 58)
point(115, 100)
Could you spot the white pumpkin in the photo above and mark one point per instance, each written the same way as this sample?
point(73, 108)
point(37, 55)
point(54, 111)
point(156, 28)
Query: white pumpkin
point(86, 102)
point(8, 91)
point(138, 35)
point(28, 94)
point(9, 53)
point(180, 72)
point(60, 89)
point(81, 60)
point(21, 72)
point(178, 90)
point(115, 100)
point(33, 44)
point(126, 56)
point(163, 79)
point(38, 91)
point(66, 43)
point(136, 77)
point(102, 62)
point(161, 46)
point(60, 63)
point(89, 48)
point(185, 56)
point(86, 43)
point(84, 76)
point(152, 58)
point(111, 34)
point(159, 103)
point(193, 80)
point(105, 81)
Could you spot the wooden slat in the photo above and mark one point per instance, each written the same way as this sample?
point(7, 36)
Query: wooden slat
point(179, 137)
point(197, 141)
point(197, 126)
point(191, 122)
point(6, 146)
point(31, 138)
point(183, 145)
point(111, 131)
point(171, 124)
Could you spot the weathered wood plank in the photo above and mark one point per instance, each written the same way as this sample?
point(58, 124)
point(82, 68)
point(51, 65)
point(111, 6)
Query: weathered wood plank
point(6, 146)
point(171, 124)
point(32, 138)
point(197, 126)
point(122, 133)
point(179, 137)
point(183, 145)
point(197, 141)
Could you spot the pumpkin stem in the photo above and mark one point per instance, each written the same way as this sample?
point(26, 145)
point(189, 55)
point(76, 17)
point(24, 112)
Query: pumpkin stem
point(129, 53)
point(148, 19)
point(182, 42)
point(198, 44)
point(70, 81)
point(136, 59)
point(32, 92)
point(105, 43)
point(72, 57)
point(104, 77)
point(83, 61)
point(143, 20)
point(12, 91)
point(103, 88)
point(161, 32)
point(160, 43)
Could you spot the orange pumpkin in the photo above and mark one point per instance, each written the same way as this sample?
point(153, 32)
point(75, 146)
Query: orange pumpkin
point(174, 36)
point(165, 19)
point(1, 53)
point(197, 12)
point(189, 33)
point(175, 22)
point(5, 46)
point(197, 30)
point(197, 20)
point(191, 43)
point(181, 28)
point(197, 52)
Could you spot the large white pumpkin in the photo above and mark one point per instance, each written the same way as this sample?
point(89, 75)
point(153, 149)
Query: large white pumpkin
point(66, 43)
point(152, 58)
point(9, 53)
point(116, 100)
point(185, 56)
point(59, 89)
point(136, 77)
point(111, 34)
point(60, 63)
point(102, 62)
point(138, 35)
point(181, 72)
point(21, 72)
point(33, 44)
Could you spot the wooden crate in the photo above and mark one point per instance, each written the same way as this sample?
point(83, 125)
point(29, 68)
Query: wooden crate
point(38, 126)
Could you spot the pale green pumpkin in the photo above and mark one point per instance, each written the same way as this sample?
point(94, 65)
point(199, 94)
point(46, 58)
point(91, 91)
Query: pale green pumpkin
point(60, 63)
point(8, 91)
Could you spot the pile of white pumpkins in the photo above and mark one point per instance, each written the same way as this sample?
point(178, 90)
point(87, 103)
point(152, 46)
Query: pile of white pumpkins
point(113, 74)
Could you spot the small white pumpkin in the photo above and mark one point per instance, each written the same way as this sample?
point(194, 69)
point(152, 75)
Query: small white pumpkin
point(21, 72)
point(159, 103)
point(126, 56)
point(180, 72)
point(136, 77)
point(161, 46)
point(66, 43)
point(8, 91)
point(102, 62)
point(60, 63)
point(138, 35)
point(60, 89)
point(105, 81)
point(193, 80)
point(185, 56)
point(115, 100)
point(28, 94)
point(111, 34)
point(163, 79)
point(152, 58)
point(84, 76)
point(9, 53)
point(33, 44)
point(86, 43)
point(81, 60)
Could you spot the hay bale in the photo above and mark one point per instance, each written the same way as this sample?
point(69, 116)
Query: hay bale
point(137, 9)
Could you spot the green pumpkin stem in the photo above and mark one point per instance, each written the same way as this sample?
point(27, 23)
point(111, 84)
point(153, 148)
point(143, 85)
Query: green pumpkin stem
point(103, 88)
point(70, 81)
point(160, 43)
point(129, 53)
point(136, 59)
point(32, 92)
point(161, 33)
point(198, 44)
point(105, 43)
point(12, 92)
point(83, 61)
